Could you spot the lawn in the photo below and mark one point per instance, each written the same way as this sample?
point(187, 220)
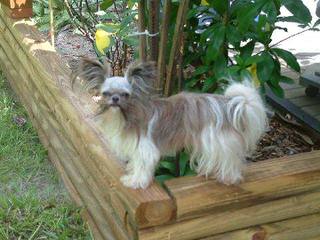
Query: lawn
point(33, 202)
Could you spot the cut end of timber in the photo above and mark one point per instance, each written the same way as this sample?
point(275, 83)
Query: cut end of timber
point(155, 213)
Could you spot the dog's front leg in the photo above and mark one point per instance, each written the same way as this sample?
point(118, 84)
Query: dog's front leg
point(141, 166)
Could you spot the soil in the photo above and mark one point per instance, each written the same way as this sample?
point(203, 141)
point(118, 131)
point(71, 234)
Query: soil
point(284, 137)
point(73, 46)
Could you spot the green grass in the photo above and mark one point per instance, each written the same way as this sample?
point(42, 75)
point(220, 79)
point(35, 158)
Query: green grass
point(33, 201)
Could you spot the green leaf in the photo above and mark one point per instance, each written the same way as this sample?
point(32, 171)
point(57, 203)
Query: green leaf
point(253, 59)
point(316, 23)
point(190, 172)
point(200, 70)
point(209, 83)
point(246, 15)
point(108, 27)
point(288, 57)
point(272, 10)
point(169, 165)
point(286, 79)
point(293, 19)
point(161, 178)
point(245, 75)
point(184, 162)
point(233, 35)
point(265, 67)
point(247, 50)
point(298, 9)
point(106, 4)
point(239, 60)
point(192, 82)
point(276, 89)
point(219, 5)
point(219, 67)
point(216, 40)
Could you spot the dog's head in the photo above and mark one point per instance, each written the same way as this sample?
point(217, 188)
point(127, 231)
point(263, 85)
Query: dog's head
point(117, 91)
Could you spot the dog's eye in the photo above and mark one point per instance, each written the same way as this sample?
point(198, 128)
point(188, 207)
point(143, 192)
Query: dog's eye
point(126, 95)
point(106, 94)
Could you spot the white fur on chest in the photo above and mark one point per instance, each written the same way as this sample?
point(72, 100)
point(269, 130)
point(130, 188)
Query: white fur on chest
point(112, 124)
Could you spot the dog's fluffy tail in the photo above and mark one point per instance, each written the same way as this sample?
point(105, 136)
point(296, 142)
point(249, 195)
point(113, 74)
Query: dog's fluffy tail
point(246, 112)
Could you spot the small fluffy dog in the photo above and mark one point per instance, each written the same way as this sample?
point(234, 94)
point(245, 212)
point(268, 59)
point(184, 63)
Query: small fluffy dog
point(219, 131)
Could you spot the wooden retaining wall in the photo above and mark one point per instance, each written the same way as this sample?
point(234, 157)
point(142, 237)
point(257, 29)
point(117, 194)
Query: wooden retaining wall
point(279, 198)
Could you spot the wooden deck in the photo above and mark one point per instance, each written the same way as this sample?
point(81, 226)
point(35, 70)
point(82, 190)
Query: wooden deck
point(306, 109)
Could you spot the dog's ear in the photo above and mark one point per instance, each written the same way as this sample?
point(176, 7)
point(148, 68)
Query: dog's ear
point(92, 74)
point(142, 76)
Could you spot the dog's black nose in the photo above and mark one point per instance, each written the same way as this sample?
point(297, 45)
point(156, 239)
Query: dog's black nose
point(115, 99)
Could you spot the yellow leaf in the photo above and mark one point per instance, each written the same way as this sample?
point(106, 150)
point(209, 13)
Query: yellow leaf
point(253, 70)
point(204, 3)
point(102, 40)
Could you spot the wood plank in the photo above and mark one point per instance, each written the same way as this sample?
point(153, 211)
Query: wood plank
point(304, 101)
point(141, 204)
point(287, 106)
point(266, 180)
point(305, 227)
point(63, 153)
point(287, 86)
point(312, 110)
point(272, 211)
point(293, 93)
point(69, 185)
point(308, 77)
point(42, 110)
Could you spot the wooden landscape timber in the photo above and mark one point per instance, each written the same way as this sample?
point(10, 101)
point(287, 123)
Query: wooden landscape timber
point(278, 199)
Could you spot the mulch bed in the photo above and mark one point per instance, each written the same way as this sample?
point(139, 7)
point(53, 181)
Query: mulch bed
point(285, 137)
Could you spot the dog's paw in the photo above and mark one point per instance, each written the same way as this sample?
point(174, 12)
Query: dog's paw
point(132, 181)
point(231, 180)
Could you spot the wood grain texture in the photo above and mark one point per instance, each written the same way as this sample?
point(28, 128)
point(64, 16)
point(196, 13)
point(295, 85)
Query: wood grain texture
point(293, 93)
point(273, 192)
point(63, 157)
point(13, 76)
point(312, 110)
point(305, 101)
point(263, 181)
point(52, 80)
point(272, 211)
point(304, 227)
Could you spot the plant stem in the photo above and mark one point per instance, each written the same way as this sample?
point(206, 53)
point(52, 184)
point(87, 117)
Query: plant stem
point(181, 18)
point(51, 23)
point(142, 28)
point(163, 43)
point(154, 28)
point(291, 36)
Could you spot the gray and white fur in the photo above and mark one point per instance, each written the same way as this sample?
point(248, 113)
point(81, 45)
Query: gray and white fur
point(219, 131)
